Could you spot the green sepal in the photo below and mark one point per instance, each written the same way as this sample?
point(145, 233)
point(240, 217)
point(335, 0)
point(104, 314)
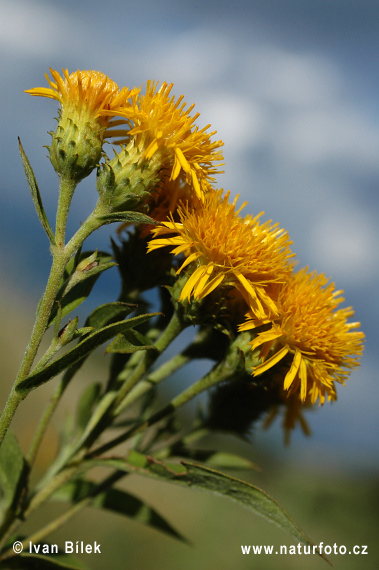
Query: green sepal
point(36, 196)
point(84, 347)
point(44, 562)
point(117, 501)
point(130, 217)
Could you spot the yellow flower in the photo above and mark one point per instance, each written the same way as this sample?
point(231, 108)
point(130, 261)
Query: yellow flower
point(313, 334)
point(226, 249)
point(86, 95)
point(87, 99)
point(163, 127)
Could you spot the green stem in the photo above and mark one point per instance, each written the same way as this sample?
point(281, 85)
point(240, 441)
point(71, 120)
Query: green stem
point(160, 374)
point(166, 369)
point(61, 256)
point(173, 329)
point(219, 373)
point(46, 417)
point(66, 191)
point(42, 318)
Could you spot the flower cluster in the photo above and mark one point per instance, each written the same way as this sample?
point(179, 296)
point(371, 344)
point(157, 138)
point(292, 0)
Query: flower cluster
point(294, 315)
point(163, 127)
point(166, 167)
point(161, 143)
point(87, 100)
point(228, 252)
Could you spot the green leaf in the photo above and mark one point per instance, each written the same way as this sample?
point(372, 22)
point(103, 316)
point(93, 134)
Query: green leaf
point(116, 501)
point(131, 217)
point(246, 494)
point(44, 562)
point(105, 314)
point(79, 284)
point(12, 474)
point(223, 460)
point(100, 317)
point(85, 346)
point(36, 196)
point(199, 477)
point(128, 342)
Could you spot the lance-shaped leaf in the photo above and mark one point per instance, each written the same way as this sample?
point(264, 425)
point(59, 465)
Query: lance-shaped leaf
point(99, 318)
point(217, 459)
point(84, 347)
point(12, 474)
point(80, 282)
point(131, 217)
point(36, 196)
point(199, 477)
point(108, 313)
point(117, 501)
point(128, 342)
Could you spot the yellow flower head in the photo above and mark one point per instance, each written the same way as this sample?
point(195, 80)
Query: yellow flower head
point(316, 336)
point(88, 99)
point(226, 249)
point(84, 95)
point(163, 126)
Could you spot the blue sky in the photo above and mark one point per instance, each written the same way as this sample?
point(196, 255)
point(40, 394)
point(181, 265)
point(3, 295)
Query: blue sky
point(291, 87)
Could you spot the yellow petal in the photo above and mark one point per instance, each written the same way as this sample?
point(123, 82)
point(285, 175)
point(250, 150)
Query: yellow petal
point(271, 361)
point(251, 297)
point(290, 376)
point(303, 379)
point(176, 169)
point(151, 149)
point(191, 283)
point(211, 285)
point(268, 301)
point(266, 349)
point(208, 270)
point(182, 160)
point(189, 259)
point(196, 185)
point(156, 243)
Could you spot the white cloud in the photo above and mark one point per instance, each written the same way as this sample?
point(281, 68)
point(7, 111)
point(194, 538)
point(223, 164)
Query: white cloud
point(345, 246)
point(290, 79)
point(238, 119)
point(333, 133)
point(192, 58)
point(30, 28)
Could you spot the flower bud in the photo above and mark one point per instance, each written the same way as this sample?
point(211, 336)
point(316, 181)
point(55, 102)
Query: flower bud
point(85, 97)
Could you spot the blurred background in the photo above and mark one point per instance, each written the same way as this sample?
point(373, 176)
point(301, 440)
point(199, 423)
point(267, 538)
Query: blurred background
point(291, 88)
